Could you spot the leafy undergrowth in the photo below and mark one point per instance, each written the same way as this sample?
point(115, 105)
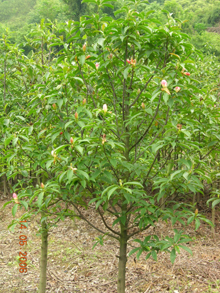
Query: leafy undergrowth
point(74, 267)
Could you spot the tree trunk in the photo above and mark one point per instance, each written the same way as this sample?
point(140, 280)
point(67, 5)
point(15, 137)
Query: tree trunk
point(213, 221)
point(194, 198)
point(5, 187)
point(162, 202)
point(43, 259)
point(122, 259)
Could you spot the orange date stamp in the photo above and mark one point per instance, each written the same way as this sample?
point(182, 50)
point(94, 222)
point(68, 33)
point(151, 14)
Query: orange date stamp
point(23, 258)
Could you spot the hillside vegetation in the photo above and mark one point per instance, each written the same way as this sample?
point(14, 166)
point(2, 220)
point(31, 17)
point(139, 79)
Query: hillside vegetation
point(20, 16)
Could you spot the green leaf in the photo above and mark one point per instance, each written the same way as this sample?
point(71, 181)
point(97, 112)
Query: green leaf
point(100, 42)
point(107, 189)
point(208, 222)
point(190, 219)
point(125, 73)
point(57, 150)
point(82, 59)
point(185, 175)
point(14, 209)
point(139, 253)
point(92, 200)
point(60, 103)
point(8, 140)
point(24, 203)
point(148, 255)
point(174, 174)
point(133, 183)
point(154, 255)
point(177, 237)
point(78, 78)
point(99, 202)
point(197, 224)
point(70, 174)
point(215, 202)
point(79, 149)
point(186, 249)
point(69, 123)
point(165, 97)
point(133, 251)
point(173, 255)
point(84, 174)
point(111, 191)
point(40, 199)
point(155, 95)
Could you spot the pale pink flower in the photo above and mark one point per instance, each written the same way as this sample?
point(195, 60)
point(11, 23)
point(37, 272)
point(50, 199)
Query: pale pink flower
point(105, 108)
point(177, 89)
point(16, 198)
point(97, 65)
point(164, 83)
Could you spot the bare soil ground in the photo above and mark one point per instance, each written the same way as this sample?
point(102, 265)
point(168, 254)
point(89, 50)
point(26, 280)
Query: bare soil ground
point(74, 267)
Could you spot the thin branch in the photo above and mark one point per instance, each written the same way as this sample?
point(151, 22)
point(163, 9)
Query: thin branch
point(106, 225)
point(146, 131)
point(82, 217)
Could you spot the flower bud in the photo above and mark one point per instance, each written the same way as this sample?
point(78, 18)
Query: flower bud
point(105, 108)
point(177, 89)
point(128, 61)
point(42, 185)
point(84, 101)
point(87, 57)
point(84, 47)
point(97, 65)
point(76, 115)
point(103, 138)
point(196, 212)
point(16, 198)
point(71, 140)
point(187, 73)
point(143, 105)
point(164, 83)
point(179, 126)
point(133, 62)
point(61, 132)
point(54, 106)
point(138, 91)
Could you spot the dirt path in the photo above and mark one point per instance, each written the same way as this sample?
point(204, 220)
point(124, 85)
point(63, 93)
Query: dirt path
point(74, 267)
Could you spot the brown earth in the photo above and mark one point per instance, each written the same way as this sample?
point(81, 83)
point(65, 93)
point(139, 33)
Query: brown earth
point(74, 267)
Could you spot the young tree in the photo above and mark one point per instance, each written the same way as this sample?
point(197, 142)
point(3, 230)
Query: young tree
point(113, 125)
